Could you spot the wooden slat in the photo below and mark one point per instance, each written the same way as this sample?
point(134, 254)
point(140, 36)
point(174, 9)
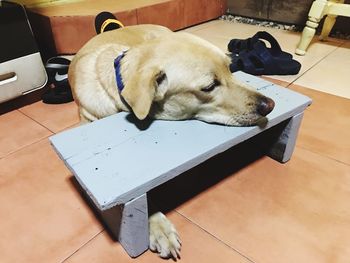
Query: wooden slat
point(115, 161)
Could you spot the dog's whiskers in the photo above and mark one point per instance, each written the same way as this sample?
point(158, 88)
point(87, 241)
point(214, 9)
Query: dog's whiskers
point(229, 121)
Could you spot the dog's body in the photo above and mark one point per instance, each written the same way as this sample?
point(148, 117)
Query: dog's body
point(91, 73)
point(165, 75)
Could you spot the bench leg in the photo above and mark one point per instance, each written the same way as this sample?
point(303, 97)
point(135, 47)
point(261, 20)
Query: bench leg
point(129, 225)
point(283, 147)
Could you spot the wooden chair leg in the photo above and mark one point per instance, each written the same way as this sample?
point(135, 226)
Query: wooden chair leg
point(327, 26)
point(329, 21)
point(315, 15)
point(306, 37)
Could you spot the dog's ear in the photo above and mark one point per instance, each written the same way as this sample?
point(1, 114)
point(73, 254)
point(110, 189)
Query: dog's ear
point(142, 90)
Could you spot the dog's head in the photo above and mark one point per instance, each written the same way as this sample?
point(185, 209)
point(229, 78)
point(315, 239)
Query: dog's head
point(184, 77)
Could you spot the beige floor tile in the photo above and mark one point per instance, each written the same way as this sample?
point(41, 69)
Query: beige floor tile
point(298, 212)
point(17, 131)
point(198, 246)
point(228, 30)
point(331, 75)
point(201, 26)
point(53, 117)
point(218, 41)
point(220, 31)
point(225, 31)
point(317, 51)
point(43, 217)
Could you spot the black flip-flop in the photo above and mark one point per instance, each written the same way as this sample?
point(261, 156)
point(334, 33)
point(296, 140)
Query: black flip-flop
point(106, 21)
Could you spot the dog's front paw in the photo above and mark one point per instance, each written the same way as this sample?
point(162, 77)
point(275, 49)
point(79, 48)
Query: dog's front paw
point(164, 238)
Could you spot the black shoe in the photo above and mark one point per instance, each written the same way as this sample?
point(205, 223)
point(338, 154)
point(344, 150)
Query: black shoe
point(59, 91)
point(106, 21)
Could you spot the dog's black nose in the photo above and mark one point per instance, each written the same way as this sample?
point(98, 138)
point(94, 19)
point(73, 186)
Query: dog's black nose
point(266, 106)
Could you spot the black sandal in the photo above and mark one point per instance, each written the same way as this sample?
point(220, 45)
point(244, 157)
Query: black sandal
point(236, 46)
point(263, 61)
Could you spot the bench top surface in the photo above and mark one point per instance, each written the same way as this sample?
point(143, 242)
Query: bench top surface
point(116, 160)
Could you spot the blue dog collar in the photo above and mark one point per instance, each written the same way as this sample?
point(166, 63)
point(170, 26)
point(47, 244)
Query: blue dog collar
point(118, 76)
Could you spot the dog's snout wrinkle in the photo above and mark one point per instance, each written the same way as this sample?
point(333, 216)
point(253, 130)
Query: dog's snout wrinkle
point(265, 106)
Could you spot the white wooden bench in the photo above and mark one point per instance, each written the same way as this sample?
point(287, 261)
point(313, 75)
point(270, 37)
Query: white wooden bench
point(117, 162)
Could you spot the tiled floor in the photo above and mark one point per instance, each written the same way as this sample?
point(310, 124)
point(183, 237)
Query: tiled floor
point(254, 210)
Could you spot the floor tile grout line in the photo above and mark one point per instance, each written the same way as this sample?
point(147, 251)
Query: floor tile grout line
point(323, 155)
point(41, 139)
point(215, 237)
point(314, 65)
point(199, 25)
point(72, 126)
point(35, 121)
point(54, 132)
point(25, 146)
point(83, 245)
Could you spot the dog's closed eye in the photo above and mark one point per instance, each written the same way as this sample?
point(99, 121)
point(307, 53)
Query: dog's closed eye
point(212, 86)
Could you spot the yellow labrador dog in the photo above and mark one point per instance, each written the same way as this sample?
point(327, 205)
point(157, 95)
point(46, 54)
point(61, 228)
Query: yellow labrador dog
point(152, 71)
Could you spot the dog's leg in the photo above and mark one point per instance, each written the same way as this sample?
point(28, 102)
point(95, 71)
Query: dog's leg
point(164, 238)
point(85, 116)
